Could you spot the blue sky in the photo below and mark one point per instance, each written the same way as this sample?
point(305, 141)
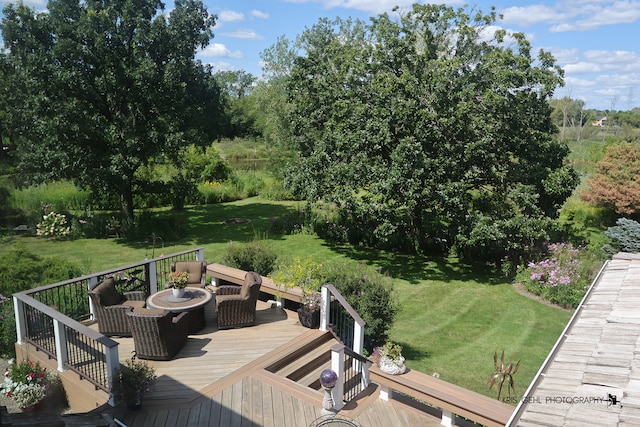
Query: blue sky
point(596, 42)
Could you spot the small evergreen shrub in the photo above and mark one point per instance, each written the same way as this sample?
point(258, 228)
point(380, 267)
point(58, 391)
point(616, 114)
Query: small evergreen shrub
point(625, 235)
point(255, 256)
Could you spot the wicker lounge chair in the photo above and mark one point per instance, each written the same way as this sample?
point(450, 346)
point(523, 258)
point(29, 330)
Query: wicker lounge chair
point(157, 334)
point(110, 307)
point(197, 272)
point(236, 305)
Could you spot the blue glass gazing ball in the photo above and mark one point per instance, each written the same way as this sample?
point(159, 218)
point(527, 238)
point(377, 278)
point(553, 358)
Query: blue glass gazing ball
point(328, 378)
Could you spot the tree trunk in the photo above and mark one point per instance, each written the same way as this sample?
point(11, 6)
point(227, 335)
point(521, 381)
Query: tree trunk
point(126, 200)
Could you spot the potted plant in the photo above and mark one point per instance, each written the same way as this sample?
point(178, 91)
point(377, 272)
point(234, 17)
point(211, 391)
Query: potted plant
point(134, 379)
point(389, 358)
point(28, 384)
point(178, 281)
point(306, 275)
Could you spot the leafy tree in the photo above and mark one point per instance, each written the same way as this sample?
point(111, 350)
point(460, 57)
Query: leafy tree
point(240, 114)
point(270, 96)
point(108, 87)
point(423, 125)
point(616, 182)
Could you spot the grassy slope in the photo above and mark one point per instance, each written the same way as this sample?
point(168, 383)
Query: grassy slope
point(453, 316)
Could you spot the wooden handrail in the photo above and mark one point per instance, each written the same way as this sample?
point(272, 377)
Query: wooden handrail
point(236, 276)
point(452, 399)
point(338, 296)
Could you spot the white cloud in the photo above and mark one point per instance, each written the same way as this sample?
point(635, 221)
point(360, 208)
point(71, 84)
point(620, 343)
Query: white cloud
point(218, 50)
point(222, 66)
point(564, 56)
point(582, 68)
point(531, 15)
point(612, 57)
point(230, 16)
point(244, 33)
point(574, 82)
point(259, 14)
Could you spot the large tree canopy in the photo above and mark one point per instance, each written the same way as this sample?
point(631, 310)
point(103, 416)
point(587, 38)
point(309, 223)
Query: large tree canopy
point(429, 130)
point(106, 86)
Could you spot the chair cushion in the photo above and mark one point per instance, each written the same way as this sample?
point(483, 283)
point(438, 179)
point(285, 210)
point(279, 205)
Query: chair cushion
point(135, 304)
point(194, 268)
point(108, 293)
point(149, 311)
point(248, 280)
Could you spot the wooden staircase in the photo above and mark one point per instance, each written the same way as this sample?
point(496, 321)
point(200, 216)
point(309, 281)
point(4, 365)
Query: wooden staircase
point(304, 364)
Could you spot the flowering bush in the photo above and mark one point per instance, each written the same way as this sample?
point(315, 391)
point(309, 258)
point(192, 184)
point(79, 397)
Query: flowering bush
point(563, 276)
point(27, 383)
point(178, 279)
point(53, 225)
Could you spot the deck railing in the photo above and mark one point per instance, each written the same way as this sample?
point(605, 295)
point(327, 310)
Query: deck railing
point(49, 317)
point(338, 316)
point(353, 374)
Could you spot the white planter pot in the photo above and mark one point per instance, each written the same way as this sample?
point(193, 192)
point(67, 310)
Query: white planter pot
point(392, 367)
point(178, 293)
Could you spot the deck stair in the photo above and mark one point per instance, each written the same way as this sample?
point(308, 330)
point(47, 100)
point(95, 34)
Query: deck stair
point(305, 364)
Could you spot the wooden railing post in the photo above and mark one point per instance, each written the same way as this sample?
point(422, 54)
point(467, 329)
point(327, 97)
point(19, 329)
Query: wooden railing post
point(448, 418)
point(113, 367)
point(324, 309)
point(21, 327)
point(200, 254)
point(337, 365)
point(358, 338)
point(386, 393)
point(91, 283)
point(60, 334)
point(152, 276)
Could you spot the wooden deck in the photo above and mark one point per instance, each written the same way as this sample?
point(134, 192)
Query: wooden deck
point(219, 379)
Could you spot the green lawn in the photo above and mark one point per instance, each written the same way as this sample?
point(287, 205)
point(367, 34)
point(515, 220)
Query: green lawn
point(453, 316)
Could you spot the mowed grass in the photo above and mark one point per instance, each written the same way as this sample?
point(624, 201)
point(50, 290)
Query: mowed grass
point(453, 315)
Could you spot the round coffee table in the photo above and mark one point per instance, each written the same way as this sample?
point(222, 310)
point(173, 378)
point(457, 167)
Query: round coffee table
point(193, 301)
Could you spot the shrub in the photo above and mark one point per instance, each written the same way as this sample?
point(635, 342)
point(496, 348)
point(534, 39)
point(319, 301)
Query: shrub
point(217, 192)
point(293, 222)
point(370, 293)
point(21, 270)
point(626, 235)
point(303, 273)
point(53, 225)
point(255, 256)
point(563, 276)
point(7, 328)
